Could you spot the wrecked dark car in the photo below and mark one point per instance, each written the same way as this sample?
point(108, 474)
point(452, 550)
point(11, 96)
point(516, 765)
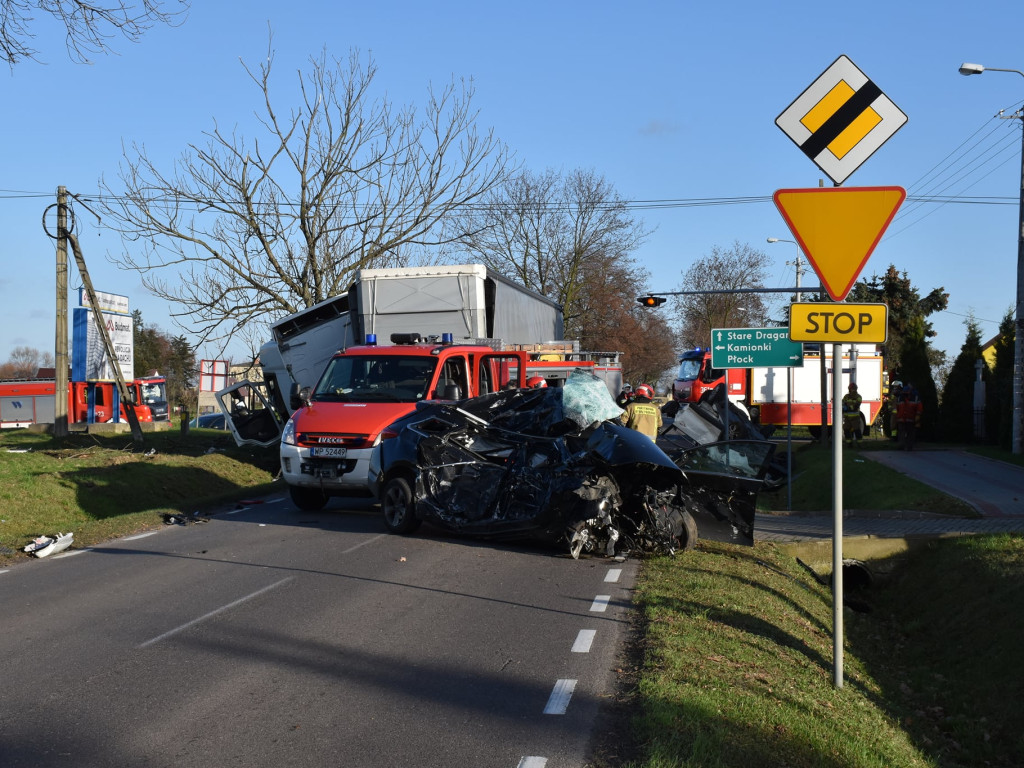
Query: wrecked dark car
point(554, 464)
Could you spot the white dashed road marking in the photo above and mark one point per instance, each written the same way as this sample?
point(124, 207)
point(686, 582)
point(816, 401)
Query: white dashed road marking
point(600, 604)
point(584, 640)
point(558, 702)
point(141, 535)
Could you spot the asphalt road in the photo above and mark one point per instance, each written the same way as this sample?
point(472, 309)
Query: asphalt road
point(271, 637)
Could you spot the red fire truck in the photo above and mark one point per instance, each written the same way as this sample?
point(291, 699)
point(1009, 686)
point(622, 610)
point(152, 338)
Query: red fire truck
point(763, 391)
point(31, 401)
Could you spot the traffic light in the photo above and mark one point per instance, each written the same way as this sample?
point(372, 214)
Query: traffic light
point(651, 301)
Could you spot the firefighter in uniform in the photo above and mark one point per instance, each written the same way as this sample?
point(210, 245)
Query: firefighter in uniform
point(625, 396)
point(892, 403)
point(851, 414)
point(908, 414)
point(642, 414)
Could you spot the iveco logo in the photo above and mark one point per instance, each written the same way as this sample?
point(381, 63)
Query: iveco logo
point(329, 439)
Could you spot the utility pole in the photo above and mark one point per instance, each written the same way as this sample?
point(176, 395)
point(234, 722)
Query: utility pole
point(1017, 403)
point(1017, 427)
point(1017, 414)
point(60, 346)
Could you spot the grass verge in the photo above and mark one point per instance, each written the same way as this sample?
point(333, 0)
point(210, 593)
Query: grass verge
point(101, 487)
point(734, 664)
point(867, 485)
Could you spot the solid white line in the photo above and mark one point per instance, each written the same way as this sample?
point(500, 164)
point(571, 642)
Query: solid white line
point(363, 544)
point(558, 702)
point(140, 536)
point(613, 574)
point(600, 604)
point(71, 553)
point(584, 640)
point(213, 613)
point(532, 762)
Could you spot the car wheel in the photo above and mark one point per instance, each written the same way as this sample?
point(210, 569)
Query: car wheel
point(397, 505)
point(686, 532)
point(307, 499)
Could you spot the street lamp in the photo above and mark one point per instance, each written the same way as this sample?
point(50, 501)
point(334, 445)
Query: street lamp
point(799, 268)
point(1018, 348)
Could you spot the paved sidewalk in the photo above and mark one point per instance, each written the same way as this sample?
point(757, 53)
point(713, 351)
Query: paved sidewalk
point(994, 488)
point(886, 525)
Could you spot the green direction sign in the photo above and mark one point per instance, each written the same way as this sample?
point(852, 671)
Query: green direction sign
point(755, 348)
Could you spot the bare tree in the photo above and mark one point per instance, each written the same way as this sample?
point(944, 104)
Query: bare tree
point(24, 363)
point(612, 321)
point(245, 231)
point(739, 267)
point(89, 26)
point(557, 236)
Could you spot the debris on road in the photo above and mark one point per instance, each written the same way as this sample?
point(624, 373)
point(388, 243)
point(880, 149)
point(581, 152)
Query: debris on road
point(184, 519)
point(44, 546)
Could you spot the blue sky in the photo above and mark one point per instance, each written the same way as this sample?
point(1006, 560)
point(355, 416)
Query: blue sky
point(668, 101)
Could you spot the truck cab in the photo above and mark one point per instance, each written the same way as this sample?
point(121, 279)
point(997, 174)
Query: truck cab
point(326, 444)
point(151, 392)
point(696, 376)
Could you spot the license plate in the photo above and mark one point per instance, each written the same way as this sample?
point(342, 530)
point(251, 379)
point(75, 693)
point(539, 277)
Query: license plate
point(328, 452)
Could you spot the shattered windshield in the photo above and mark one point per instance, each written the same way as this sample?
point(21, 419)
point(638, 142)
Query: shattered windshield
point(746, 458)
point(688, 370)
point(376, 378)
point(153, 393)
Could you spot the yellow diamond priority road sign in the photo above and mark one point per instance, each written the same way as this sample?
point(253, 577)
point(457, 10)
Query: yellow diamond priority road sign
point(841, 119)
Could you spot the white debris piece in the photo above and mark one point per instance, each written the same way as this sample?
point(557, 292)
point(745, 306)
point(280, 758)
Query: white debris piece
point(45, 546)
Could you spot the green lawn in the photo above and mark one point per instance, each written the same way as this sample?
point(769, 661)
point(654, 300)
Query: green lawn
point(103, 487)
point(733, 663)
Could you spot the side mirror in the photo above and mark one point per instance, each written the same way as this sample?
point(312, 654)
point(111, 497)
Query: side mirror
point(452, 392)
point(298, 397)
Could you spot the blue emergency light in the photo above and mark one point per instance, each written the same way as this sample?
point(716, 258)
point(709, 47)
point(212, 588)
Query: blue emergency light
point(371, 339)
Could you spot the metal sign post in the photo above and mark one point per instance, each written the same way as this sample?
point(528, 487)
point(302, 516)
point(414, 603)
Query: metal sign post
point(838, 122)
point(837, 513)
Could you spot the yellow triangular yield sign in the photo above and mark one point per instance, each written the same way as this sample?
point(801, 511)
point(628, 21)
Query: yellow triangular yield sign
point(838, 228)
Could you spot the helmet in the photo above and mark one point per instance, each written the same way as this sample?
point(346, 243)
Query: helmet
point(536, 382)
point(627, 387)
point(645, 390)
point(897, 385)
